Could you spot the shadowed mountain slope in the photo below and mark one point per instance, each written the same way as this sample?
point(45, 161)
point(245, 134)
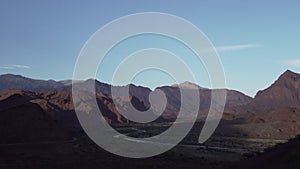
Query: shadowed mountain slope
point(23, 121)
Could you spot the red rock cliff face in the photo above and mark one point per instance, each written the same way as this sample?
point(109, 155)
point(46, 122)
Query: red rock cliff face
point(284, 92)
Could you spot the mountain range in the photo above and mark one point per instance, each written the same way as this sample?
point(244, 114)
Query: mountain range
point(273, 112)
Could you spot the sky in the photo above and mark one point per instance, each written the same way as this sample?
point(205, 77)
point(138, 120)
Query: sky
point(256, 40)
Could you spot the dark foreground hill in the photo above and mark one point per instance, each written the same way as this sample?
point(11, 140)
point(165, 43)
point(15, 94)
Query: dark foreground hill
point(22, 121)
point(282, 156)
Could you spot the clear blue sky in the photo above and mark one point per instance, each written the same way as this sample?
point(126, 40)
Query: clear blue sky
point(257, 40)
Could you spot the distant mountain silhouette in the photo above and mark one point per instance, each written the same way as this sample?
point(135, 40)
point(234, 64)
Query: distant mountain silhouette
point(233, 99)
point(187, 85)
point(15, 82)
